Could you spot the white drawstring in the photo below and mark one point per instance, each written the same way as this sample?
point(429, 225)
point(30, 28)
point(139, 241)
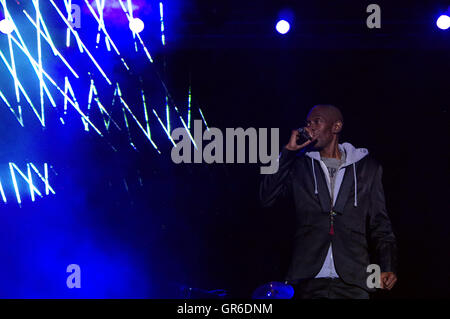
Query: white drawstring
point(356, 186)
point(315, 180)
point(354, 177)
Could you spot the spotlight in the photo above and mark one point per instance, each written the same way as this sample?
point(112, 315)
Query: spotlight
point(6, 26)
point(136, 25)
point(283, 26)
point(443, 22)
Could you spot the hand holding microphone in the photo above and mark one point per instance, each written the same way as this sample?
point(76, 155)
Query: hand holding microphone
point(300, 138)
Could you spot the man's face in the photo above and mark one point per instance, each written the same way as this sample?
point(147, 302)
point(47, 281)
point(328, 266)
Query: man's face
point(320, 124)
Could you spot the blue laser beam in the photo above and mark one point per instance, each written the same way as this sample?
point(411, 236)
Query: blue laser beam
point(204, 121)
point(145, 48)
point(161, 15)
point(164, 128)
point(3, 193)
point(80, 42)
point(14, 71)
point(189, 133)
point(129, 15)
point(138, 123)
point(100, 8)
point(68, 89)
point(11, 52)
point(130, 7)
point(189, 109)
point(168, 113)
point(16, 189)
point(67, 99)
point(146, 113)
point(68, 6)
point(108, 119)
point(47, 185)
point(44, 179)
point(101, 24)
point(76, 106)
point(11, 108)
point(47, 38)
point(130, 140)
point(30, 182)
point(19, 84)
point(24, 48)
point(39, 71)
point(28, 177)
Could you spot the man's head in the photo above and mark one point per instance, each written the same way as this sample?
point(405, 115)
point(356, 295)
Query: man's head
point(324, 122)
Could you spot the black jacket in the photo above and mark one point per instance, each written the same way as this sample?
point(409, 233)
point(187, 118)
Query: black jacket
point(361, 223)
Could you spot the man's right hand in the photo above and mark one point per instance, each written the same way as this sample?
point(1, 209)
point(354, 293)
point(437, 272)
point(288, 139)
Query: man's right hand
point(293, 146)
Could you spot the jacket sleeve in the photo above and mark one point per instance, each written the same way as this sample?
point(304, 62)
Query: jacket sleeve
point(275, 185)
point(380, 230)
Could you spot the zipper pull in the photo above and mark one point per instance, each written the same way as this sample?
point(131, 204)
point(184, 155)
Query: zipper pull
point(332, 214)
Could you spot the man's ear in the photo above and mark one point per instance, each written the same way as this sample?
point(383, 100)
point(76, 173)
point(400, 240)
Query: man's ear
point(337, 127)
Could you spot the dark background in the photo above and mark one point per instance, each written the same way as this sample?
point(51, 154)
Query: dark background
point(141, 226)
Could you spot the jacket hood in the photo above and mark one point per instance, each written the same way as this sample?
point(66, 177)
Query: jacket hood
point(352, 154)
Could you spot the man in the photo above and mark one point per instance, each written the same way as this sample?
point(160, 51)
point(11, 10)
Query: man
point(340, 211)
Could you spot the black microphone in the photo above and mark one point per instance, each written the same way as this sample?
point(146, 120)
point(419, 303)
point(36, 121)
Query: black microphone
point(303, 137)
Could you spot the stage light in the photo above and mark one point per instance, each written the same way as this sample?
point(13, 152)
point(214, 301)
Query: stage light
point(136, 25)
point(443, 22)
point(283, 26)
point(6, 26)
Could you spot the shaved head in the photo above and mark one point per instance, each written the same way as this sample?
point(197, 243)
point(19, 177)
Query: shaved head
point(325, 123)
point(330, 112)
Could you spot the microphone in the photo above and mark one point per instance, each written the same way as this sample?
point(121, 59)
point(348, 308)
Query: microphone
point(303, 137)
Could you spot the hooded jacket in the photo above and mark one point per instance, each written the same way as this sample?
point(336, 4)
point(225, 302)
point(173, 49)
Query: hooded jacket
point(361, 223)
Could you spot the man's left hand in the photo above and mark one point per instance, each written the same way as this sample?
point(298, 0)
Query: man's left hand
point(388, 280)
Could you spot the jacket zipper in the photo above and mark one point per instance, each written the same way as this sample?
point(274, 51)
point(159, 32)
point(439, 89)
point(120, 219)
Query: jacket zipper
point(332, 213)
